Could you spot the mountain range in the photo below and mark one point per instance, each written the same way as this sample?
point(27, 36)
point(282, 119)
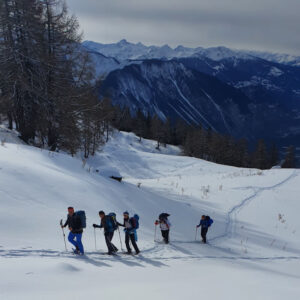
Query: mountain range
point(242, 93)
point(124, 50)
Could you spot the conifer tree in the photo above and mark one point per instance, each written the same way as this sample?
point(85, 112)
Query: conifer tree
point(290, 160)
point(273, 156)
point(259, 159)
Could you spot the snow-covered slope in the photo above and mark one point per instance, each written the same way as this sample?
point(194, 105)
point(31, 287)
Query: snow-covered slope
point(253, 249)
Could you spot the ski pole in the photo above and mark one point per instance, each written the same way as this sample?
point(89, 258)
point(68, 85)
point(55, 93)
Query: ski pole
point(61, 225)
point(155, 234)
point(196, 234)
point(95, 239)
point(120, 239)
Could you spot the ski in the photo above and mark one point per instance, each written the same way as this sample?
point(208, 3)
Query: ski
point(161, 242)
point(129, 254)
point(77, 253)
point(105, 253)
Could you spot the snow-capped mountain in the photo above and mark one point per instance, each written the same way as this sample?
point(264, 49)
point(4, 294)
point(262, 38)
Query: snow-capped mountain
point(171, 90)
point(124, 50)
point(103, 65)
point(286, 59)
point(242, 93)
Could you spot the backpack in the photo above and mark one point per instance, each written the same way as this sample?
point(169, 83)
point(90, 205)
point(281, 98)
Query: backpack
point(163, 216)
point(209, 220)
point(135, 221)
point(113, 220)
point(81, 214)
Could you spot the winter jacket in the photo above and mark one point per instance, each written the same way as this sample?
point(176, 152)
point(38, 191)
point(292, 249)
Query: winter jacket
point(74, 222)
point(164, 224)
point(106, 224)
point(129, 225)
point(205, 223)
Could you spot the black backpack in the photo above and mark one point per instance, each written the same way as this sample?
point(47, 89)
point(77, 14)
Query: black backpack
point(82, 216)
point(163, 216)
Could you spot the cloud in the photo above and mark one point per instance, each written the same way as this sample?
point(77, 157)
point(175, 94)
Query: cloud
point(271, 25)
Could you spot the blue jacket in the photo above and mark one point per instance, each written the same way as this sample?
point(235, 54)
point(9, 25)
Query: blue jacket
point(205, 223)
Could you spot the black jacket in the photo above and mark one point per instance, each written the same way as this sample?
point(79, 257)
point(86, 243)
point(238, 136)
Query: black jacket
point(106, 224)
point(74, 222)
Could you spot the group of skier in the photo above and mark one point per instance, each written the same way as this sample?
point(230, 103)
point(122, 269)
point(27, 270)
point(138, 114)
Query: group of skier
point(110, 224)
point(76, 222)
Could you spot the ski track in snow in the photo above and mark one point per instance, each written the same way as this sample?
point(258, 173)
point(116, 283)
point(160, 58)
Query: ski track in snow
point(160, 252)
point(158, 249)
point(155, 253)
point(37, 187)
point(257, 191)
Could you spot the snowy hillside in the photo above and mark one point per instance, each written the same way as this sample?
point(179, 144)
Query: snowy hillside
point(253, 250)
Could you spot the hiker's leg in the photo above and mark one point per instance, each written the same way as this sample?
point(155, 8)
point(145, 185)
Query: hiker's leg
point(79, 243)
point(167, 236)
point(127, 242)
point(108, 243)
point(203, 234)
point(71, 239)
point(111, 235)
point(132, 238)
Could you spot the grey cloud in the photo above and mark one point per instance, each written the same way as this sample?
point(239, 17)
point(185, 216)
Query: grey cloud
point(264, 25)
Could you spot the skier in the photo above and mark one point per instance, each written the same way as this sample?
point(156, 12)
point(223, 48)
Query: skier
point(205, 223)
point(76, 229)
point(164, 226)
point(108, 224)
point(130, 224)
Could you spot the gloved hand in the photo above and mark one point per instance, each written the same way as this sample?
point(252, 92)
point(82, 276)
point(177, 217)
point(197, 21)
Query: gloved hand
point(156, 222)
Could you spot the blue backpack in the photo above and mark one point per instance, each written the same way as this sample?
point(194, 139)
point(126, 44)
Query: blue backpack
point(209, 221)
point(81, 214)
point(113, 220)
point(135, 223)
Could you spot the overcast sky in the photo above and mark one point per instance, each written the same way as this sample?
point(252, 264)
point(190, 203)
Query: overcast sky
point(272, 25)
